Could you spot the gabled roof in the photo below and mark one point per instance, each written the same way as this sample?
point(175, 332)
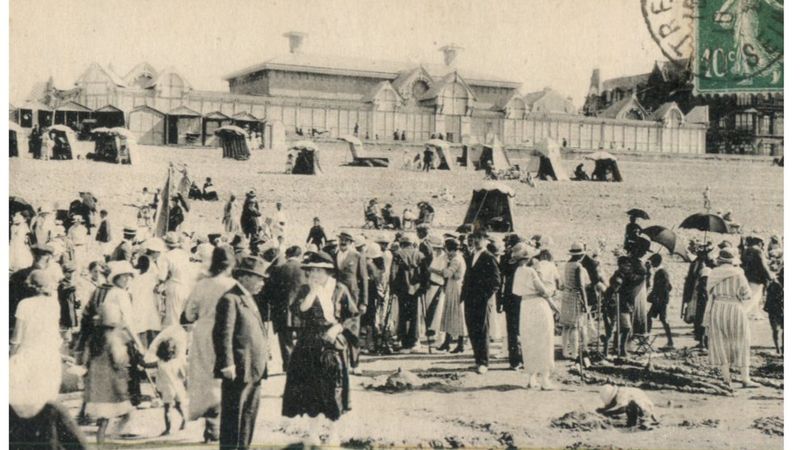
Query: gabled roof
point(38, 92)
point(441, 83)
point(409, 76)
point(73, 106)
point(147, 108)
point(377, 89)
point(365, 67)
point(673, 71)
point(166, 72)
point(617, 110)
point(108, 108)
point(185, 111)
point(504, 102)
point(112, 76)
point(534, 97)
point(35, 106)
point(217, 115)
point(246, 117)
point(142, 67)
point(698, 114)
point(664, 110)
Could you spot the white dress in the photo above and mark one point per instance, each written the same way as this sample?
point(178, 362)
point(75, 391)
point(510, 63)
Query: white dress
point(39, 342)
point(181, 275)
point(201, 308)
point(146, 316)
point(536, 325)
point(20, 255)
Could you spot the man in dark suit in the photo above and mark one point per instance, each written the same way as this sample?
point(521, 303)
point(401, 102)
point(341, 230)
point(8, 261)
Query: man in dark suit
point(509, 303)
point(351, 271)
point(405, 284)
point(481, 282)
point(286, 278)
point(241, 350)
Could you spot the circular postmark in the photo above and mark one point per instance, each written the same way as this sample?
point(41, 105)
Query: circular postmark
point(671, 24)
point(727, 45)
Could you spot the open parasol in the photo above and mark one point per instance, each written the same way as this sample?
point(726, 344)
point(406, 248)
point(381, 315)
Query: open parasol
point(638, 213)
point(667, 239)
point(705, 222)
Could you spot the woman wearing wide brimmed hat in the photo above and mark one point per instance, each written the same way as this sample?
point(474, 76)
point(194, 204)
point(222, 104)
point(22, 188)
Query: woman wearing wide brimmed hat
point(19, 251)
point(726, 321)
point(537, 337)
point(573, 301)
point(107, 336)
point(317, 380)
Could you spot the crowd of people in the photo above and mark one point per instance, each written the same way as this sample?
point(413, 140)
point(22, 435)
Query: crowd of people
point(194, 311)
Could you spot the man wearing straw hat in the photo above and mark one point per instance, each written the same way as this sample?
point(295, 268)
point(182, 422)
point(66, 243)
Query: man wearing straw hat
point(124, 250)
point(241, 349)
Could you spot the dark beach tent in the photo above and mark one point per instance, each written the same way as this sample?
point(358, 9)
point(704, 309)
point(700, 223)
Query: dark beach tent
point(605, 165)
point(16, 138)
point(358, 156)
point(491, 208)
point(64, 141)
point(545, 162)
point(113, 145)
point(234, 142)
point(441, 152)
point(306, 158)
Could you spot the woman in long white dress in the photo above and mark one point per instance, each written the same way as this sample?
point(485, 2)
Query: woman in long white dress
point(536, 318)
point(146, 320)
point(19, 250)
point(452, 317)
point(201, 308)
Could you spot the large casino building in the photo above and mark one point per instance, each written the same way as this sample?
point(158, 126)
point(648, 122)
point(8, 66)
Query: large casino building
point(298, 95)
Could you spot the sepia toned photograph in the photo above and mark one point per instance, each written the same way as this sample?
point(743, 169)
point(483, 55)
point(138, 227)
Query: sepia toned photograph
point(374, 224)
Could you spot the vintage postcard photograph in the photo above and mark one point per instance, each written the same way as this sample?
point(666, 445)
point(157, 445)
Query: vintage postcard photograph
point(395, 224)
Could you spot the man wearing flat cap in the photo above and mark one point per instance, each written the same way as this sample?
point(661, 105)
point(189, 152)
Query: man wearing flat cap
point(241, 349)
point(351, 271)
point(481, 282)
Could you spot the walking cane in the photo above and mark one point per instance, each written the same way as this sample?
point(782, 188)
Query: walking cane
point(618, 337)
point(386, 319)
point(425, 318)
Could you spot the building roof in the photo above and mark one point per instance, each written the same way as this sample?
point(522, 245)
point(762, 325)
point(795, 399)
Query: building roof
point(108, 108)
point(73, 106)
point(142, 67)
point(628, 83)
point(663, 111)
point(147, 108)
point(112, 76)
point(246, 117)
point(441, 83)
point(166, 72)
point(185, 111)
point(217, 115)
point(365, 67)
point(503, 102)
point(38, 91)
point(376, 89)
point(627, 103)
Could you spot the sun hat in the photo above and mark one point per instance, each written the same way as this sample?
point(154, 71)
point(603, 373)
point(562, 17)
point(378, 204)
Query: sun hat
point(155, 245)
point(42, 249)
point(344, 235)
point(129, 232)
point(317, 260)
point(359, 241)
point(576, 248)
point(521, 252)
point(172, 239)
point(252, 265)
point(726, 256)
point(117, 268)
point(373, 251)
point(42, 281)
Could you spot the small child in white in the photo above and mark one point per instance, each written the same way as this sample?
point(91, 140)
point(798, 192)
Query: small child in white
point(632, 402)
point(170, 349)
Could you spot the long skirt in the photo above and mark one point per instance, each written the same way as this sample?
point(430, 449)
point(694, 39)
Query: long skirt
point(452, 321)
point(107, 377)
point(639, 315)
point(317, 381)
point(537, 335)
point(175, 296)
point(728, 334)
point(430, 309)
point(756, 295)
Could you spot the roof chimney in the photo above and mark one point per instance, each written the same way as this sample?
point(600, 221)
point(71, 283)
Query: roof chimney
point(450, 52)
point(295, 41)
point(594, 85)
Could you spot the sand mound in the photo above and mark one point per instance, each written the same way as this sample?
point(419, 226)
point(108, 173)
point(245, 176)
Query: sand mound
point(582, 421)
point(707, 423)
point(772, 426)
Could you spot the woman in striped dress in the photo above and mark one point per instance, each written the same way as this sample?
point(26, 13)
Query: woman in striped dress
point(726, 320)
point(573, 301)
point(453, 323)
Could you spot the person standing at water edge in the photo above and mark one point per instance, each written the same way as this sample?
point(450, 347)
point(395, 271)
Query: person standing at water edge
point(481, 282)
point(241, 348)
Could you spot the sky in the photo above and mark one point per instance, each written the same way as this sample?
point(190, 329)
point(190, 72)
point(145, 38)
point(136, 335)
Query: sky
point(540, 43)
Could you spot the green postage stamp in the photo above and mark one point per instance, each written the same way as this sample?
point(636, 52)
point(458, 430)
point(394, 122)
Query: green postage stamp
point(738, 46)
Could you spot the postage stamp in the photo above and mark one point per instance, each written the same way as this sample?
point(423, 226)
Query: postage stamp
point(739, 46)
point(671, 25)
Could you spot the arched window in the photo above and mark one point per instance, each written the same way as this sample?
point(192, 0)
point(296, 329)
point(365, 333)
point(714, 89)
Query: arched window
point(674, 118)
point(634, 114)
point(419, 88)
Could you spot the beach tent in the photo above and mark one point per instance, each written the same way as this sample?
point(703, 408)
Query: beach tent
point(113, 145)
point(64, 141)
point(545, 161)
point(17, 139)
point(306, 158)
point(441, 152)
point(491, 208)
point(482, 154)
point(604, 164)
point(233, 141)
point(359, 157)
